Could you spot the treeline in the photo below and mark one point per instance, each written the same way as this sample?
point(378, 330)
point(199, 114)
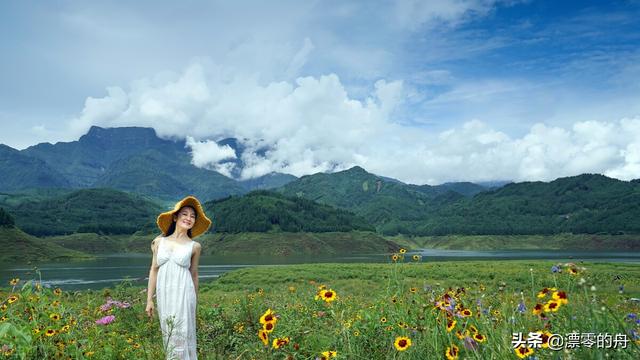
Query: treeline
point(585, 204)
point(262, 211)
point(103, 211)
point(354, 200)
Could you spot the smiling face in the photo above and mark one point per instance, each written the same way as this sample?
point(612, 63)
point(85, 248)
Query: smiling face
point(185, 218)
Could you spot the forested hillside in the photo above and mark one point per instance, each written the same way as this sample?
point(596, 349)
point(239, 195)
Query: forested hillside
point(261, 211)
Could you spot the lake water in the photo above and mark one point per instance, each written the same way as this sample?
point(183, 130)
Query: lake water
point(109, 270)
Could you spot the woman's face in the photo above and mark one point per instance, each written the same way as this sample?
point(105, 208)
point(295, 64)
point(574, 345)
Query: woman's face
point(185, 218)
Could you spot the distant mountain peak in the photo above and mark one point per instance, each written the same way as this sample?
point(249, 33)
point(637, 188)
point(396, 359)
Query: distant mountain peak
point(356, 169)
point(100, 132)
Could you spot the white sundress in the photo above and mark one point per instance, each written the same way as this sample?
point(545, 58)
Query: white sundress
point(176, 297)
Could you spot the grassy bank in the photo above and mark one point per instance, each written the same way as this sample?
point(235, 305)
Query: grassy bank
point(523, 242)
point(271, 244)
point(361, 311)
point(278, 244)
point(19, 246)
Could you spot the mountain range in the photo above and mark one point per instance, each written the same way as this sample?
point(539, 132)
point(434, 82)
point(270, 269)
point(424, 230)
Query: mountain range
point(132, 159)
point(132, 166)
point(136, 160)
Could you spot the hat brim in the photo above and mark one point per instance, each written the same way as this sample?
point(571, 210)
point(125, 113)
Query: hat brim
point(202, 224)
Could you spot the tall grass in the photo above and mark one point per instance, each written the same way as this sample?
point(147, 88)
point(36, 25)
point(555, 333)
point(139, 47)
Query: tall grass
point(406, 309)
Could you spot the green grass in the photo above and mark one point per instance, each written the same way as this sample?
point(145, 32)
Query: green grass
point(402, 294)
point(19, 246)
point(523, 242)
point(271, 243)
point(286, 243)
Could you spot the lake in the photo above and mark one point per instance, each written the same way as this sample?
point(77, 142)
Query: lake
point(112, 269)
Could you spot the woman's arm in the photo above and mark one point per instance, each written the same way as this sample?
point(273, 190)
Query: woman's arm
point(195, 258)
point(153, 275)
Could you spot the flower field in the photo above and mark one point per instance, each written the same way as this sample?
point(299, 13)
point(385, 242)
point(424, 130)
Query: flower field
point(406, 309)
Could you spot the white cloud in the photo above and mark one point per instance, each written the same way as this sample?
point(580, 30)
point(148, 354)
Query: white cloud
point(313, 125)
point(207, 154)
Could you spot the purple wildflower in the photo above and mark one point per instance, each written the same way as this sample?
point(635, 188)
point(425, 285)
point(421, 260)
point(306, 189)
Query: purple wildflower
point(555, 269)
point(521, 307)
point(106, 320)
point(111, 303)
point(470, 344)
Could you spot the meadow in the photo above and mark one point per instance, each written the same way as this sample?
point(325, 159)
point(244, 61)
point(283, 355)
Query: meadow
point(405, 309)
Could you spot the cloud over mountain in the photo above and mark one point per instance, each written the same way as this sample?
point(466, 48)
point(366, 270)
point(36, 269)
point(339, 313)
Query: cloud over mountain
point(314, 125)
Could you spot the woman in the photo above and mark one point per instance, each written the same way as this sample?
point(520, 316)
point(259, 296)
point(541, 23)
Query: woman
point(174, 276)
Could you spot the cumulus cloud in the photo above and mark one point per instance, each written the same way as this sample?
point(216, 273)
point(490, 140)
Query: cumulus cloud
point(208, 154)
point(313, 125)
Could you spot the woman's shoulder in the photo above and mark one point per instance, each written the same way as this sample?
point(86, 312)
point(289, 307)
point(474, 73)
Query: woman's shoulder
point(156, 240)
point(196, 245)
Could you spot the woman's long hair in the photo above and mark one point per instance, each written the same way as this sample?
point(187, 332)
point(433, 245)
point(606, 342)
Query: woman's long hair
point(172, 227)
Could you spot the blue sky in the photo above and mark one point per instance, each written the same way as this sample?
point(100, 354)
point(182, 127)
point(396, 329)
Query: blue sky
point(425, 92)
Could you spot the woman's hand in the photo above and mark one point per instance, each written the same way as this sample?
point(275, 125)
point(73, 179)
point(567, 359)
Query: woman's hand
point(150, 309)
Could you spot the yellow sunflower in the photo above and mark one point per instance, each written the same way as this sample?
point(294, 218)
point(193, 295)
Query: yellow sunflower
point(544, 336)
point(13, 298)
point(561, 297)
point(402, 251)
point(551, 306)
point(329, 354)
point(268, 316)
point(328, 295)
point(466, 313)
point(264, 336)
point(523, 351)
point(57, 291)
point(277, 343)
point(450, 325)
point(537, 310)
point(402, 343)
point(14, 282)
point(54, 317)
point(479, 337)
point(268, 327)
point(452, 352)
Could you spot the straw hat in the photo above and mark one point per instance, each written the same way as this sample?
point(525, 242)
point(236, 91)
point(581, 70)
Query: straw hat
point(201, 225)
